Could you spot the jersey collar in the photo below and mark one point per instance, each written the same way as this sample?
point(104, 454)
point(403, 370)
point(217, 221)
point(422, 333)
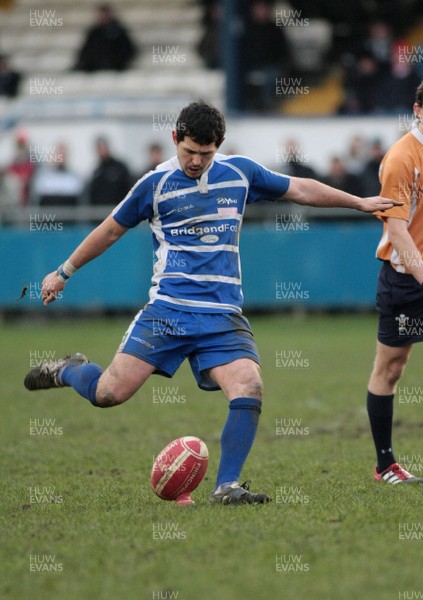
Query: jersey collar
point(203, 182)
point(417, 134)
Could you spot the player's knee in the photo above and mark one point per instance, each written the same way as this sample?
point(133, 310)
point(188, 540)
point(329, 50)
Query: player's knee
point(394, 370)
point(254, 388)
point(389, 371)
point(108, 398)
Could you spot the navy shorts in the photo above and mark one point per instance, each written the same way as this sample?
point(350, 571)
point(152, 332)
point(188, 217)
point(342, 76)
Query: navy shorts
point(164, 337)
point(399, 302)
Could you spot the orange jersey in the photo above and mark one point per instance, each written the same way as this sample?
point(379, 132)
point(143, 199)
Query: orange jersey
point(401, 178)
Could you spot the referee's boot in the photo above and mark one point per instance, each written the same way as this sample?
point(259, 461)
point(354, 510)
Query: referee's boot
point(233, 493)
point(396, 474)
point(45, 376)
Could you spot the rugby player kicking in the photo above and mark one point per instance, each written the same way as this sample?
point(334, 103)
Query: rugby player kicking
point(194, 203)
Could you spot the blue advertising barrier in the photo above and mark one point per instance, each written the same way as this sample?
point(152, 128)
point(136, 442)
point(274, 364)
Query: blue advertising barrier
point(327, 265)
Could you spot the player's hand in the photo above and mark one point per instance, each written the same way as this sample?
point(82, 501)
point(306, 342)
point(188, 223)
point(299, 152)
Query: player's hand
point(51, 287)
point(375, 203)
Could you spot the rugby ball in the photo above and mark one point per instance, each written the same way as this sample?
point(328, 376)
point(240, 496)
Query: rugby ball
point(179, 469)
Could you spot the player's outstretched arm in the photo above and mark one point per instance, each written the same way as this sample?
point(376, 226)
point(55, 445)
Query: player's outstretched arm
point(97, 242)
point(314, 193)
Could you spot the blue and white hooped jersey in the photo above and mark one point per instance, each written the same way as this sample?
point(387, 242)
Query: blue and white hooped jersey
point(196, 225)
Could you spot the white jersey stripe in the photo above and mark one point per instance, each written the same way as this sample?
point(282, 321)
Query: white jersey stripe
point(221, 278)
point(205, 248)
point(129, 330)
point(238, 171)
point(162, 250)
point(154, 295)
point(224, 184)
point(196, 188)
point(162, 182)
point(202, 219)
point(176, 193)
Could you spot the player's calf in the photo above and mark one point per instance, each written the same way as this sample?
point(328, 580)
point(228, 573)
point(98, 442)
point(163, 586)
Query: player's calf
point(121, 380)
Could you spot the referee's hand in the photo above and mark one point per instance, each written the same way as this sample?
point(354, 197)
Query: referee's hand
point(378, 203)
point(51, 287)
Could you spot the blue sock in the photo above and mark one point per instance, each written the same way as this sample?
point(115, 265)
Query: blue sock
point(83, 379)
point(237, 437)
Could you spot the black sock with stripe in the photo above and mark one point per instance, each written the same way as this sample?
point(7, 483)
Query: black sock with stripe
point(380, 410)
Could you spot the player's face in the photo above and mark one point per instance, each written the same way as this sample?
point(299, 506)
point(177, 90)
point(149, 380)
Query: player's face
point(194, 158)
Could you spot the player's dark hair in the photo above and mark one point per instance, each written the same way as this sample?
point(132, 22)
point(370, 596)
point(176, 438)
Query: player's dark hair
point(203, 123)
point(419, 94)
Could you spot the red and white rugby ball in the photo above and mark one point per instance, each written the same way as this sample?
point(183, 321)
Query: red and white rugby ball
point(179, 469)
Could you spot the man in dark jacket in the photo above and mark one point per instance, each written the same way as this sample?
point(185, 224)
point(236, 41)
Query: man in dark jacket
point(111, 179)
point(107, 45)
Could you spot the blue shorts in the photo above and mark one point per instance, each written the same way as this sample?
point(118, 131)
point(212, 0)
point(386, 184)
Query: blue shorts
point(399, 302)
point(164, 337)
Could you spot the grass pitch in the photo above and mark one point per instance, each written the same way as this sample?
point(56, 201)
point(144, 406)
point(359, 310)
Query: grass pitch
point(79, 521)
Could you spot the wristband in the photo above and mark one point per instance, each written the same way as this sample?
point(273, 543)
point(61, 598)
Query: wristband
point(65, 271)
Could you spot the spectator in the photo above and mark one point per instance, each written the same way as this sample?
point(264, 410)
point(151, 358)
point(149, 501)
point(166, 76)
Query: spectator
point(111, 180)
point(396, 82)
point(55, 184)
point(360, 85)
point(155, 154)
point(107, 45)
point(364, 70)
point(229, 150)
point(387, 12)
point(294, 161)
point(209, 47)
point(266, 54)
point(378, 43)
point(19, 173)
point(9, 79)
point(370, 176)
point(356, 158)
point(339, 176)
